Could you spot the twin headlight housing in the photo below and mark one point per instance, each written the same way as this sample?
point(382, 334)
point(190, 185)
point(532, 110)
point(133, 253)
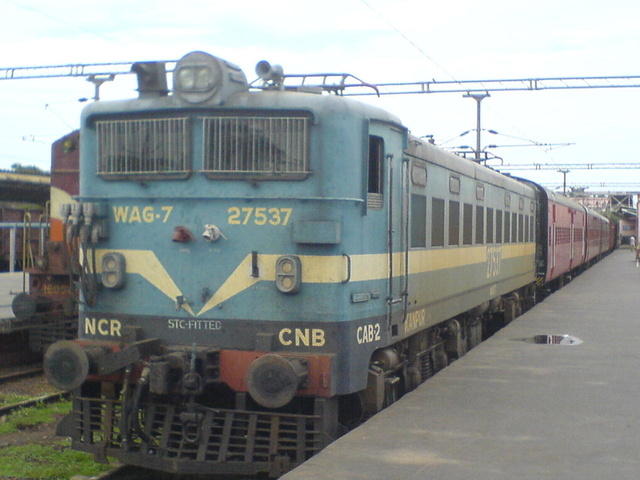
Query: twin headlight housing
point(288, 274)
point(200, 77)
point(113, 270)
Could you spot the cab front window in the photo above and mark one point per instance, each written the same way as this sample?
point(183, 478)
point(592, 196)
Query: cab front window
point(143, 148)
point(256, 147)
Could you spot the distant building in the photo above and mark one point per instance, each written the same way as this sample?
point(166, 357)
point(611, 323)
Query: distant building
point(623, 205)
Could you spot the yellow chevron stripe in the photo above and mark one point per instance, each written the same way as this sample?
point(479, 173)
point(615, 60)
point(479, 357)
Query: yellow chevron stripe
point(146, 264)
point(240, 280)
point(317, 268)
point(334, 269)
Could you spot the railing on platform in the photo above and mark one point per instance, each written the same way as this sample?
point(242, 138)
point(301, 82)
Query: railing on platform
point(13, 229)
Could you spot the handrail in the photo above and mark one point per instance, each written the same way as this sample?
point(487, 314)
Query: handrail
point(13, 227)
point(27, 253)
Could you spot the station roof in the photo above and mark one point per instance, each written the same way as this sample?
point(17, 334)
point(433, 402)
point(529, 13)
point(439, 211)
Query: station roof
point(20, 187)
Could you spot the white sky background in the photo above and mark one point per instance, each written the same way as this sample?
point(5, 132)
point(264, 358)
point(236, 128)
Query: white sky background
point(379, 41)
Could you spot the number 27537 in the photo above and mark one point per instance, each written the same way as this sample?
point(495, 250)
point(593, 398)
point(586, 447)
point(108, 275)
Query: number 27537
point(258, 216)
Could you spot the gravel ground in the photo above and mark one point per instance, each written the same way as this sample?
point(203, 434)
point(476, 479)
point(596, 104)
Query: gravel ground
point(39, 435)
point(32, 386)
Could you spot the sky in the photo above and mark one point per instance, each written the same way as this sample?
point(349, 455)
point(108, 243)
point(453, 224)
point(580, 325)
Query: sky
point(379, 41)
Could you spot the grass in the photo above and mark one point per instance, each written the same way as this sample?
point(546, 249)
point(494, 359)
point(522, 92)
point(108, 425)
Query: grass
point(47, 462)
point(12, 398)
point(33, 416)
point(54, 461)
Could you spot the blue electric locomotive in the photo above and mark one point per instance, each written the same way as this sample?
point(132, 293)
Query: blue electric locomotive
point(265, 267)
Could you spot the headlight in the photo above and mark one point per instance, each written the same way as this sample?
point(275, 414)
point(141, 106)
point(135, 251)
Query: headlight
point(195, 79)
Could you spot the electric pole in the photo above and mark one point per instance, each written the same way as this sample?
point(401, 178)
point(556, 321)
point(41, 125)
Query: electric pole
point(478, 97)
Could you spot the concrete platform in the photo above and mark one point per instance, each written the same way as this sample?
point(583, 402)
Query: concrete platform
point(512, 409)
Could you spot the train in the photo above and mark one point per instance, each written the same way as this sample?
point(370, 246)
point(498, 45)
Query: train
point(48, 305)
point(267, 265)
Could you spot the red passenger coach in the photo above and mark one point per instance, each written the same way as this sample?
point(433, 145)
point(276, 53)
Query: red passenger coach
point(567, 222)
point(613, 236)
point(597, 235)
point(570, 237)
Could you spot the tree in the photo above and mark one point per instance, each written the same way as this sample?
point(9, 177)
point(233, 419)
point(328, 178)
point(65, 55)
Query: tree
point(28, 169)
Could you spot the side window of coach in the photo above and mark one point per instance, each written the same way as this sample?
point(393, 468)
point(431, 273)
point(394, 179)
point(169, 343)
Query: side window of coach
point(454, 222)
point(479, 224)
point(376, 155)
point(467, 224)
point(507, 227)
point(375, 165)
point(418, 220)
point(437, 222)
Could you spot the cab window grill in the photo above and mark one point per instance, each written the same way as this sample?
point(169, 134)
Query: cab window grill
point(143, 148)
point(269, 148)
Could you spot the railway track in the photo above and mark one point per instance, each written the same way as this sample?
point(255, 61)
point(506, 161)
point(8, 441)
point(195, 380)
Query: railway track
point(26, 382)
point(49, 398)
point(20, 374)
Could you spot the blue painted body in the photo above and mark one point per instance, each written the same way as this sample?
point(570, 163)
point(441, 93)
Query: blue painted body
point(142, 215)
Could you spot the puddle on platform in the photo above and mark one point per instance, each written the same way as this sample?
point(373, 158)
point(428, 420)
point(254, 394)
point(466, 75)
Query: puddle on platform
point(554, 340)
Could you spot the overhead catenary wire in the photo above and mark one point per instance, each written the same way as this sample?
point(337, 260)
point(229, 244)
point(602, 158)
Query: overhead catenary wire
point(62, 21)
